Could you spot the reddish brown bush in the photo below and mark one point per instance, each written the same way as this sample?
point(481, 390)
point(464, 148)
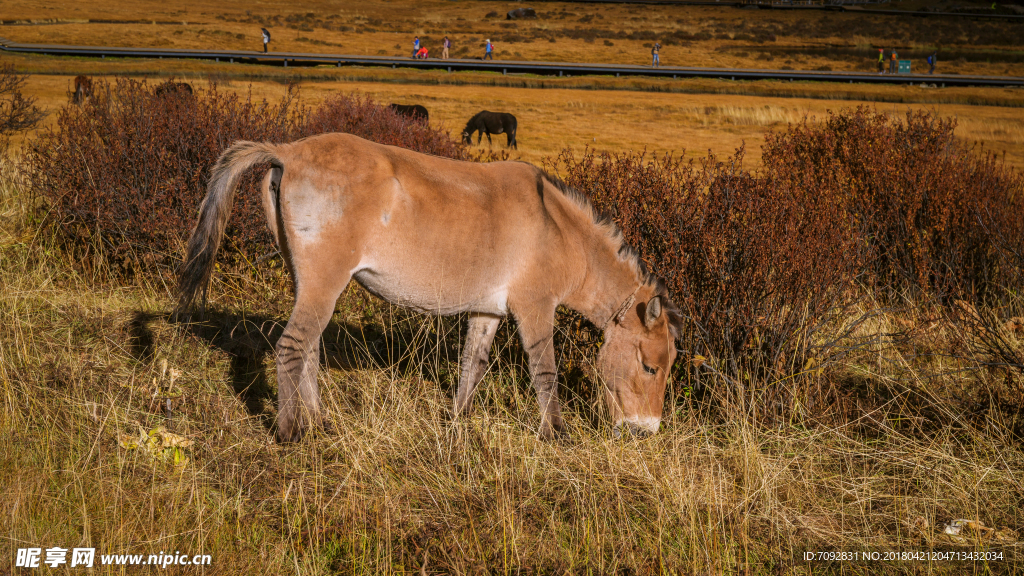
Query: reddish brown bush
point(126, 171)
point(937, 217)
point(761, 262)
point(757, 266)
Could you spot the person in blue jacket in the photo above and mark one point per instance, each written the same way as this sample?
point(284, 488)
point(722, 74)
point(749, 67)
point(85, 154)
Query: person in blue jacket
point(488, 50)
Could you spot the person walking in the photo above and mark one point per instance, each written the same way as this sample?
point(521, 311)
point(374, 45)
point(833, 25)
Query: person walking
point(266, 39)
point(894, 62)
point(445, 45)
point(881, 61)
point(415, 46)
point(655, 59)
point(931, 61)
point(489, 50)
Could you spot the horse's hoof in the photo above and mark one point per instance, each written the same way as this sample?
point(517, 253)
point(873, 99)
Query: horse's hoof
point(289, 432)
point(554, 434)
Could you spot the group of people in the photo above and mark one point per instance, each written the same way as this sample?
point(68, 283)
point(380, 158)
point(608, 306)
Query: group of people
point(420, 51)
point(894, 61)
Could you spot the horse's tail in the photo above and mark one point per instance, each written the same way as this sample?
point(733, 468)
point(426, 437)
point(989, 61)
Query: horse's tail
point(195, 272)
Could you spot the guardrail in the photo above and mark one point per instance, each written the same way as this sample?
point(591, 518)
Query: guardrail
point(505, 66)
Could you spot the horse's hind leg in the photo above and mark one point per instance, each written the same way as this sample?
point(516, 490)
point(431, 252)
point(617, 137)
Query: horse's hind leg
point(475, 356)
point(298, 356)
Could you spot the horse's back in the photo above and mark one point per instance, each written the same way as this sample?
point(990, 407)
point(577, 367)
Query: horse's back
point(432, 233)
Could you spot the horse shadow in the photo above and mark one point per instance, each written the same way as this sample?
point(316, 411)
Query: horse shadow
point(416, 347)
point(409, 348)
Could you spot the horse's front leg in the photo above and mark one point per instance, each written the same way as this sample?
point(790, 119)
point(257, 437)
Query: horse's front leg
point(475, 357)
point(537, 331)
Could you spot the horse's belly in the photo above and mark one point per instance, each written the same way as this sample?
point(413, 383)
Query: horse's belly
point(433, 295)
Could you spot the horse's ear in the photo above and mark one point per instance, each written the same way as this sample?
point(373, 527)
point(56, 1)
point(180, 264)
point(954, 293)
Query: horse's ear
point(653, 311)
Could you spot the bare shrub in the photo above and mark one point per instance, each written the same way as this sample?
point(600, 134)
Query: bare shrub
point(17, 111)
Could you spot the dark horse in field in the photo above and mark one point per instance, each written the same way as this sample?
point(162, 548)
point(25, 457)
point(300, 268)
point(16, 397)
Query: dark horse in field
point(414, 111)
point(171, 88)
point(491, 123)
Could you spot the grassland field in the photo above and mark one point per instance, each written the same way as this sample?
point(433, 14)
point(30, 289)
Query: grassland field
point(126, 431)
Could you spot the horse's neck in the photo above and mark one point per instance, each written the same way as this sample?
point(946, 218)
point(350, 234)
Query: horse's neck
point(608, 280)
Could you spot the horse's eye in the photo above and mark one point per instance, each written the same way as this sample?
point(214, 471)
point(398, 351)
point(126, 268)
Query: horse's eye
point(649, 370)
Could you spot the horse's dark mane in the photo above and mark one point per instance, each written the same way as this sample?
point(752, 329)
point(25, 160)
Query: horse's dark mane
point(472, 120)
point(604, 221)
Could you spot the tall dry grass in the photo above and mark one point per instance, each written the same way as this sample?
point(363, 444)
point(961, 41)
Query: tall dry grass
point(394, 486)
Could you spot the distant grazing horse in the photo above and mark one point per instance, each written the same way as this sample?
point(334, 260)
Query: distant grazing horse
point(491, 123)
point(521, 13)
point(170, 88)
point(83, 89)
point(414, 111)
point(445, 236)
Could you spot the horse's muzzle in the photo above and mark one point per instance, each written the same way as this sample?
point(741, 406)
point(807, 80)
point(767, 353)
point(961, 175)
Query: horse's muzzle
point(632, 429)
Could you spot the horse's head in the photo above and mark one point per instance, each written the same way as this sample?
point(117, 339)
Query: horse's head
point(467, 138)
point(636, 358)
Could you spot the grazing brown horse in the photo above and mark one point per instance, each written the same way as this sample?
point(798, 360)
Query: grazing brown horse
point(83, 89)
point(445, 236)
